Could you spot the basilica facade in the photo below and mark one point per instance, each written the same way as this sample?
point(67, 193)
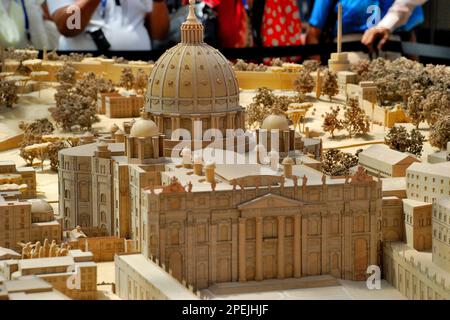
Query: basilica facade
point(257, 228)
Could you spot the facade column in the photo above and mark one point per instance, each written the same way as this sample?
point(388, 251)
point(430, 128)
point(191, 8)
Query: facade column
point(297, 247)
point(280, 251)
point(213, 253)
point(242, 256)
point(259, 240)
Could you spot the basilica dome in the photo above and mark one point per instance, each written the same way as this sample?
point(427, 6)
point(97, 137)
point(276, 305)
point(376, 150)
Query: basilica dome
point(192, 77)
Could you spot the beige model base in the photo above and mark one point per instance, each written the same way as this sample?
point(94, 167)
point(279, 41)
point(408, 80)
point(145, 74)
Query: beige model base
point(273, 285)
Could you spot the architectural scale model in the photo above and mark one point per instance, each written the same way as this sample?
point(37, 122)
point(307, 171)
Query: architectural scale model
point(193, 178)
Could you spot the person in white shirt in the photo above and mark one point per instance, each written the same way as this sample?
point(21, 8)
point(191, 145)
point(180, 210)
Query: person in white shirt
point(397, 16)
point(23, 23)
point(126, 25)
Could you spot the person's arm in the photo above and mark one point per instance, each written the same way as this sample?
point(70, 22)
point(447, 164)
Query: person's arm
point(157, 21)
point(397, 16)
point(318, 20)
point(61, 15)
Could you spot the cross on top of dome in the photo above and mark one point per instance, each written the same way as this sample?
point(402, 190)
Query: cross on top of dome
point(192, 29)
point(192, 18)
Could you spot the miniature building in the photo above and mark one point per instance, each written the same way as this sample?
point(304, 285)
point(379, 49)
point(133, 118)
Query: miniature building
point(441, 233)
point(29, 288)
point(344, 78)
point(413, 273)
point(74, 275)
point(193, 82)
point(101, 248)
point(364, 91)
point(393, 217)
point(394, 187)
point(257, 225)
point(428, 182)
point(8, 254)
point(9, 174)
point(85, 187)
point(417, 224)
point(24, 221)
point(380, 159)
point(101, 100)
point(123, 106)
point(138, 278)
point(440, 156)
point(277, 126)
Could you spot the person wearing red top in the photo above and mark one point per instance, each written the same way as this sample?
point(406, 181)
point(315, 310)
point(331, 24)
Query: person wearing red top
point(231, 22)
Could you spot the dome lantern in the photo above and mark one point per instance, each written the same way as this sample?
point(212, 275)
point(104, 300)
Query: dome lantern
point(191, 29)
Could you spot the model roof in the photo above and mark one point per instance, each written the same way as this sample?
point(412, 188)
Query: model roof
point(440, 169)
point(444, 202)
point(46, 262)
point(160, 279)
point(397, 183)
point(415, 203)
point(6, 253)
point(385, 154)
point(88, 150)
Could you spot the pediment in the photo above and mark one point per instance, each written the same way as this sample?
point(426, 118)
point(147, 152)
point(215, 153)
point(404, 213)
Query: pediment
point(270, 201)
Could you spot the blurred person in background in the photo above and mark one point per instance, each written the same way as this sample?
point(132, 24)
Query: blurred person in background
point(26, 23)
point(359, 20)
point(115, 25)
point(397, 16)
point(226, 23)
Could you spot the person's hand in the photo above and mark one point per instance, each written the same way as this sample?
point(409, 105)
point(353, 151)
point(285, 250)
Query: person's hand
point(372, 34)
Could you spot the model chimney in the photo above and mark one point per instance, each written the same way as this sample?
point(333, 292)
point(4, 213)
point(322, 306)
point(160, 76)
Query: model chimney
point(198, 165)
point(186, 155)
point(210, 171)
point(288, 162)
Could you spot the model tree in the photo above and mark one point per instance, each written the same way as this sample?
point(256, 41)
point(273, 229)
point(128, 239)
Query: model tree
point(440, 132)
point(8, 93)
point(416, 143)
point(338, 163)
point(361, 68)
point(73, 109)
point(66, 74)
point(330, 86)
point(331, 122)
point(104, 85)
point(436, 102)
point(265, 103)
point(87, 86)
point(127, 79)
point(311, 65)
point(355, 120)
point(32, 134)
point(52, 153)
point(399, 139)
point(141, 81)
point(415, 107)
point(304, 83)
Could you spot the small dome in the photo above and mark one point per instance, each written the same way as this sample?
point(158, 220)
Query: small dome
point(275, 122)
point(210, 164)
point(288, 161)
point(40, 206)
point(119, 132)
point(144, 128)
